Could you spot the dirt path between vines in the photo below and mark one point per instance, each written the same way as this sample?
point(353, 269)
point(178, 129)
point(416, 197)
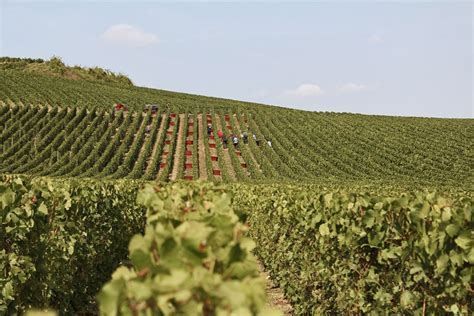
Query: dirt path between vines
point(179, 143)
point(226, 157)
point(201, 150)
point(275, 296)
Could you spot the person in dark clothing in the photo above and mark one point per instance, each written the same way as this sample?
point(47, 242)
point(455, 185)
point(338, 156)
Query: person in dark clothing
point(257, 141)
point(209, 129)
point(245, 137)
point(224, 141)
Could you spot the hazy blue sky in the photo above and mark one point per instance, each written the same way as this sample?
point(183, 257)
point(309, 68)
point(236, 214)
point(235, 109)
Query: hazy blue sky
point(397, 58)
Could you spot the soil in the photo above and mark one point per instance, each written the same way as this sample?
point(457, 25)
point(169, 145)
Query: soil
point(275, 296)
point(202, 151)
point(178, 153)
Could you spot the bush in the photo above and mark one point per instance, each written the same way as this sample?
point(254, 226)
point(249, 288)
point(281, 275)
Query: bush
point(57, 65)
point(60, 240)
point(350, 253)
point(193, 259)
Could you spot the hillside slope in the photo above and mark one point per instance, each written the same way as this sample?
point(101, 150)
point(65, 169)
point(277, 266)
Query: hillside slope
point(57, 126)
point(34, 88)
point(60, 141)
point(338, 203)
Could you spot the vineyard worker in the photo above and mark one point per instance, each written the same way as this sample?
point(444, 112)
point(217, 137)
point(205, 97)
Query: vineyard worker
point(209, 129)
point(269, 142)
point(257, 141)
point(235, 140)
point(224, 141)
point(245, 137)
point(220, 134)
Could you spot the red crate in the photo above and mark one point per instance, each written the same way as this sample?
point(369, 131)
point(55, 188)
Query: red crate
point(165, 153)
point(209, 121)
point(216, 172)
point(211, 137)
point(229, 127)
point(190, 133)
point(212, 145)
point(188, 165)
point(172, 123)
point(214, 158)
point(188, 153)
point(190, 124)
point(173, 114)
point(238, 153)
point(227, 118)
point(168, 141)
point(169, 132)
point(162, 165)
point(189, 142)
point(190, 178)
point(243, 164)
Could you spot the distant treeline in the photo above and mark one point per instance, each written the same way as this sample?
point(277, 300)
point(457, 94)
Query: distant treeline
point(17, 60)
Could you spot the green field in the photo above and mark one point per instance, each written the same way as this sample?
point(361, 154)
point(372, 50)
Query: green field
point(49, 126)
point(351, 213)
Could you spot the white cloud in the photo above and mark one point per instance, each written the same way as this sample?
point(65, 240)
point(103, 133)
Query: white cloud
point(353, 87)
point(376, 39)
point(306, 90)
point(128, 34)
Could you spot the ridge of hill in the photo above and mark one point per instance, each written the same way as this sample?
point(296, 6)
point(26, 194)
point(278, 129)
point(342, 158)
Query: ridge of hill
point(55, 67)
point(36, 88)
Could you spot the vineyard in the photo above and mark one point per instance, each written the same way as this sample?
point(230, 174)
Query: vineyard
point(164, 146)
point(100, 210)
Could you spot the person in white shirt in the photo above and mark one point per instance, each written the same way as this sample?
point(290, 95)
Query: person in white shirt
point(235, 141)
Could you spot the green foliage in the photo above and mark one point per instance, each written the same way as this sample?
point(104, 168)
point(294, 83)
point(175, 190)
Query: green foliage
point(307, 146)
point(61, 239)
point(34, 87)
point(194, 259)
point(5, 59)
point(55, 67)
point(49, 140)
point(332, 250)
point(338, 252)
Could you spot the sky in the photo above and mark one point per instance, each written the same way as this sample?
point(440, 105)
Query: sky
point(409, 58)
